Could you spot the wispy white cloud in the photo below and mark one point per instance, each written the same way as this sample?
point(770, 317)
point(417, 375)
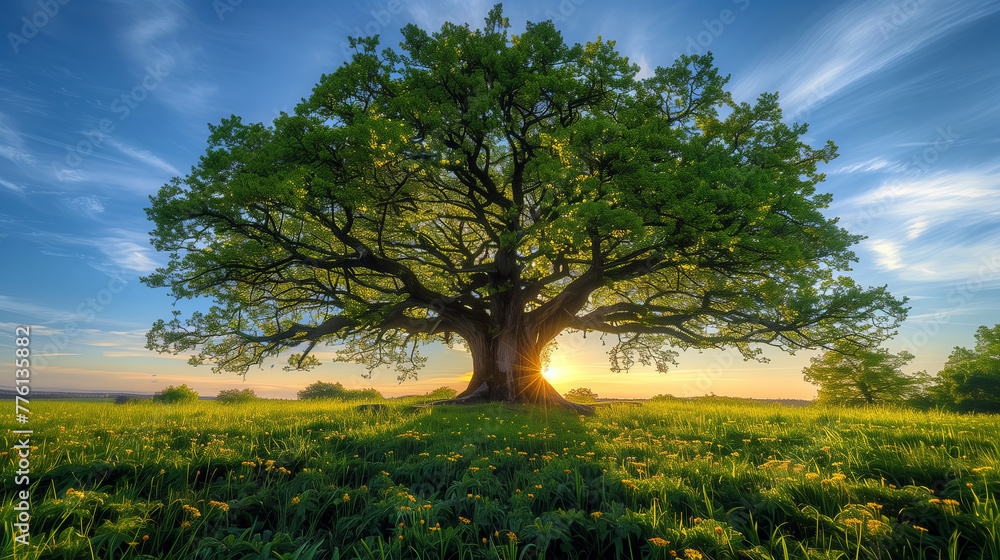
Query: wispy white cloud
point(941, 195)
point(17, 155)
point(888, 253)
point(67, 175)
point(940, 315)
point(164, 34)
point(85, 204)
point(151, 34)
point(915, 227)
point(431, 15)
point(939, 227)
point(105, 166)
point(192, 98)
point(14, 187)
point(144, 156)
point(12, 143)
point(872, 165)
point(129, 251)
point(8, 135)
point(39, 313)
point(141, 353)
point(853, 42)
point(116, 252)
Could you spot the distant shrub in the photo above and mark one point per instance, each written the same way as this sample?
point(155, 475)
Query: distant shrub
point(233, 396)
point(664, 398)
point(442, 393)
point(335, 391)
point(125, 399)
point(581, 395)
point(369, 394)
point(179, 394)
point(322, 390)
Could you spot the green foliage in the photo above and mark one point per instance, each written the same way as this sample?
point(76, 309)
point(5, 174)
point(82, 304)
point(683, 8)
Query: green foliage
point(849, 376)
point(322, 390)
point(175, 395)
point(234, 396)
point(301, 479)
point(581, 395)
point(370, 394)
point(442, 393)
point(336, 391)
point(970, 379)
point(417, 190)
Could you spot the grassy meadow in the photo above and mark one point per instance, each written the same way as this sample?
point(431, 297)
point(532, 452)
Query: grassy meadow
point(708, 479)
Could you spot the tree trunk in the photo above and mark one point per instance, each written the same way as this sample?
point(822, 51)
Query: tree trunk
point(507, 368)
point(506, 349)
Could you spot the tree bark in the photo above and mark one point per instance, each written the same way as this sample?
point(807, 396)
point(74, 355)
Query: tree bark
point(506, 367)
point(506, 349)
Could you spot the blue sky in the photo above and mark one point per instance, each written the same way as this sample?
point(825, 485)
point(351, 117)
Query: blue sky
point(102, 102)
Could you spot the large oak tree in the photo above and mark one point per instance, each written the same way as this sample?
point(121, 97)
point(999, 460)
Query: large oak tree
point(501, 189)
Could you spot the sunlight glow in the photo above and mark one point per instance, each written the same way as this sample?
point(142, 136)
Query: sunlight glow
point(553, 374)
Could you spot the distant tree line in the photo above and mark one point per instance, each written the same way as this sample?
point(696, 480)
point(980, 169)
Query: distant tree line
point(968, 382)
point(236, 396)
point(176, 395)
point(315, 391)
point(321, 390)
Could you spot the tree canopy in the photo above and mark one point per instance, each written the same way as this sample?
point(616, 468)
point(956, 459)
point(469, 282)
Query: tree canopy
point(970, 379)
point(501, 189)
point(176, 394)
point(581, 395)
point(322, 390)
point(859, 376)
point(236, 396)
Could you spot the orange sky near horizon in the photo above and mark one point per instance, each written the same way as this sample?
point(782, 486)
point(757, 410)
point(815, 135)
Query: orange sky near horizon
point(577, 363)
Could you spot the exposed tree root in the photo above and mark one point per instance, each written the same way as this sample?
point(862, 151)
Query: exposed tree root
point(547, 397)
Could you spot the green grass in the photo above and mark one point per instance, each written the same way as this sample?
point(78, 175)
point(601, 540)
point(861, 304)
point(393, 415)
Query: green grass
point(707, 479)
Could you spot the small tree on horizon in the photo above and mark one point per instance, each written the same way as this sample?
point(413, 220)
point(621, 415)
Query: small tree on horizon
point(503, 188)
point(442, 393)
point(174, 395)
point(234, 396)
point(581, 395)
point(849, 375)
point(336, 391)
point(322, 390)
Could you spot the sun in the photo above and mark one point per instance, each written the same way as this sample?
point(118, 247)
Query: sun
point(553, 374)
